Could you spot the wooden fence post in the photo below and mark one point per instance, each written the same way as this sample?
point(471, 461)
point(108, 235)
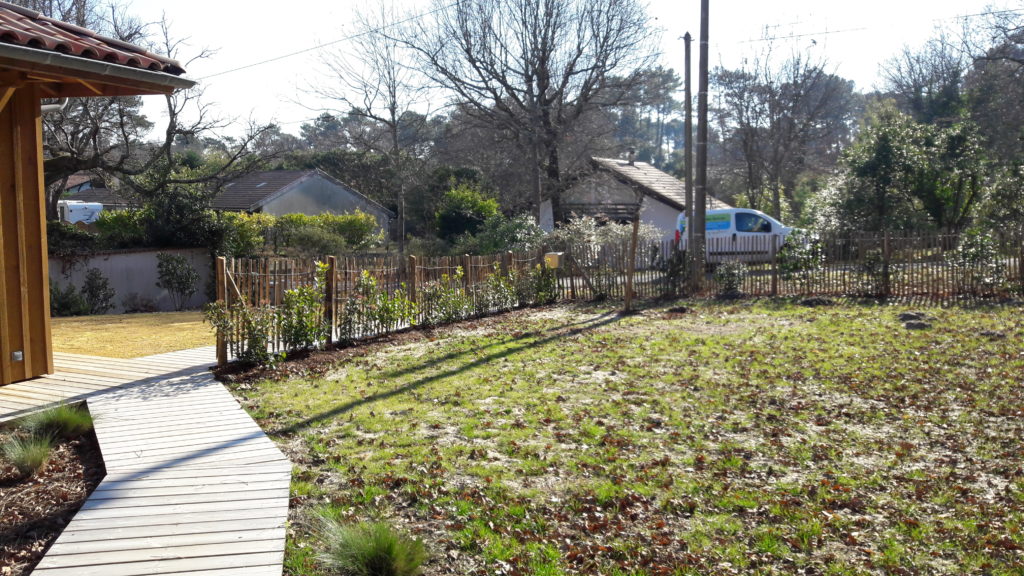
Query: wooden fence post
point(467, 272)
point(222, 344)
point(330, 290)
point(773, 251)
point(506, 263)
point(631, 264)
point(412, 275)
point(886, 257)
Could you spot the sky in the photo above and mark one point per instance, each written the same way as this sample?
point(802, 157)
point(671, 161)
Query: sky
point(255, 73)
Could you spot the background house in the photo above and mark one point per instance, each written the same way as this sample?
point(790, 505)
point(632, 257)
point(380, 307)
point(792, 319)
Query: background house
point(87, 187)
point(310, 192)
point(612, 188)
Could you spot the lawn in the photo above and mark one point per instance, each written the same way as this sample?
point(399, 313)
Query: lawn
point(739, 438)
point(131, 335)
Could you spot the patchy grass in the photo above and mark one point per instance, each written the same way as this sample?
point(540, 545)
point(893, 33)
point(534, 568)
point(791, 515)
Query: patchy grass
point(131, 335)
point(741, 438)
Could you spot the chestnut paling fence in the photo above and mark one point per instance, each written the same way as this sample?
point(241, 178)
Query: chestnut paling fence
point(362, 296)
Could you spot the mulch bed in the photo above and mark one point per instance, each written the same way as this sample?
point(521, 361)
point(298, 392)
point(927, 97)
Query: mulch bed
point(34, 510)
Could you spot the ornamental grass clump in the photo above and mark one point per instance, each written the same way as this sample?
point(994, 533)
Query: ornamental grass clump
point(61, 420)
point(28, 453)
point(369, 549)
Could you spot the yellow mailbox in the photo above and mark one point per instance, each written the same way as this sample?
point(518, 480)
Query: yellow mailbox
point(553, 259)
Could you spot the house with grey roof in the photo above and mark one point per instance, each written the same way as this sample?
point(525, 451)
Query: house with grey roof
point(311, 192)
point(613, 187)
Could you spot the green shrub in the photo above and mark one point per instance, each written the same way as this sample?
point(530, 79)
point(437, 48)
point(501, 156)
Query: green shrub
point(301, 315)
point(535, 286)
point(501, 234)
point(247, 328)
point(730, 276)
point(28, 453)
point(66, 301)
point(463, 209)
point(358, 229)
point(369, 549)
point(134, 302)
point(876, 275)
point(122, 229)
point(445, 301)
point(497, 293)
point(371, 309)
point(69, 242)
point(62, 420)
point(243, 234)
point(800, 260)
point(178, 277)
point(97, 293)
point(980, 270)
point(313, 242)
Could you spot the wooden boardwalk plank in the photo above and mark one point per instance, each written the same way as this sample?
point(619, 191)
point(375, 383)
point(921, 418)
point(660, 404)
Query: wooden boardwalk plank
point(192, 486)
point(181, 565)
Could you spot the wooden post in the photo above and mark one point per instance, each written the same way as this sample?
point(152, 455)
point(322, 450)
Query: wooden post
point(467, 271)
point(506, 263)
point(330, 290)
point(886, 256)
point(631, 264)
point(773, 251)
point(220, 273)
point(412, 275)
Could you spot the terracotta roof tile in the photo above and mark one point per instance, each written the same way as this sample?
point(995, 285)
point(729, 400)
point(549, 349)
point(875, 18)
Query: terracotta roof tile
point(23, 27)
point(654, 182)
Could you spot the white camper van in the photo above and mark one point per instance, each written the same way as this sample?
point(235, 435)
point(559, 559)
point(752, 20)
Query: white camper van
point(72, 211)
point(737, 234)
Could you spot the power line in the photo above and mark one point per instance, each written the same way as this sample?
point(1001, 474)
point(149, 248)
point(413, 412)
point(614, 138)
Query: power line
point(791, 36)
point(866, 28)
point(326, 44)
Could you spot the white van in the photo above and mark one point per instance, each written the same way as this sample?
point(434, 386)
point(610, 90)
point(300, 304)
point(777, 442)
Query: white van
point(72, 211)
point(740, 234)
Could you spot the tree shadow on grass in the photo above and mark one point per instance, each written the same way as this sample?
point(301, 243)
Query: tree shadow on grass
point(526, 340)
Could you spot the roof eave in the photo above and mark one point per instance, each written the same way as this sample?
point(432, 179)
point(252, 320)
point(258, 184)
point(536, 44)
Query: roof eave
point(123, 77)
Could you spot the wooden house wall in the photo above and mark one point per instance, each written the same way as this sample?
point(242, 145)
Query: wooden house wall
point(24, 278)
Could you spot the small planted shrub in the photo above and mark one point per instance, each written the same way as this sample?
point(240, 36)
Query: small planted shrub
point(801, 259)
point(445, 301)
point(178, 277)
point(980, 270)
point(97, 293)
point(302, 314)
point(62, 420)
point(28, 453)
point(66, 301)
point(248, 328)
point(496, 293)
point(730, 276)
point(136, 303)
point(369, 549)
point(371, 309)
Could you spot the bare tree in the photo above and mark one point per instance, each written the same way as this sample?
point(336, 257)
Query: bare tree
point(780, 120)
point(533, 68)
point(110, 136)
point(373, 81)
point(927, 82)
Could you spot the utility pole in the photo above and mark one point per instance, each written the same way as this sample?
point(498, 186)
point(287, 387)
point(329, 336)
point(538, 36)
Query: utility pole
point(701, 200)
point(688, 163)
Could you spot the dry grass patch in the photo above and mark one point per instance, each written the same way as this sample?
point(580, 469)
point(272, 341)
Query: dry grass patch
point(131, 335)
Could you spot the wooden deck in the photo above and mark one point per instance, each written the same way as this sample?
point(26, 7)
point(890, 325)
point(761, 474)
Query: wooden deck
point(192, 486)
